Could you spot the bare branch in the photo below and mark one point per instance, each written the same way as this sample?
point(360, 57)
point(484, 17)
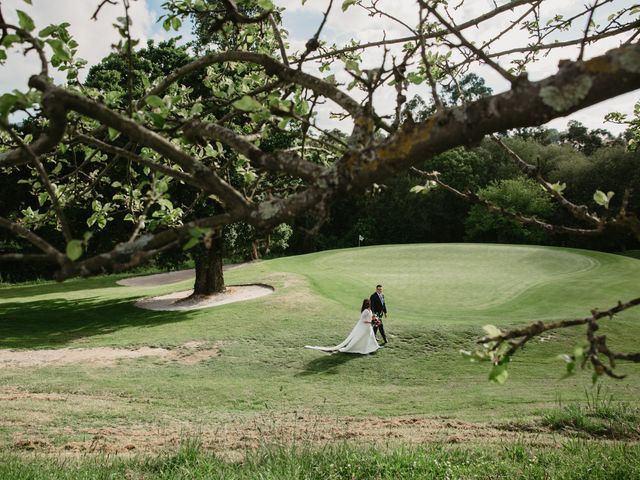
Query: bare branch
point(492, 207)
point(102, 4)
point(586, 30)
point(49, 250)
point(509, 6)
point(531, 103)
point(478, 52)
point(597, 344)
point(276, 33)
point(235, 16)
point(26, 257)
point(313, 43)
point(578, 211)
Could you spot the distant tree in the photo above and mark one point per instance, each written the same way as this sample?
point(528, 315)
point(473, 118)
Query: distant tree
point(585, 140)
point(519, 195)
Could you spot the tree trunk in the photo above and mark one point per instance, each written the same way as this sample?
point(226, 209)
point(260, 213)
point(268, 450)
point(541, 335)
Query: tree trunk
point(208, 259)
point(255, 255)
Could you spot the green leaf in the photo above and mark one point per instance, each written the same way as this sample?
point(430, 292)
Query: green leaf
point(158, 120)
point(167, 24)
point(558, 187)
point(565, 357)
point(74, 249)
point(25, 21)
point(578, 354)
point(46, 31)
point(176, 23)
point(346, 4)
point(154, 101)
point(499, 374)
point(352, 65)
point(602, 198)
point(193, 241)
point(60, 49)
point(247, 104)
point(42, 198)
point(417, 189)
point(10, 39)
point(492, 331)
point(415, 78)
point(265, 4)
point(113, 134)
point(27, 1)
point(7, 101)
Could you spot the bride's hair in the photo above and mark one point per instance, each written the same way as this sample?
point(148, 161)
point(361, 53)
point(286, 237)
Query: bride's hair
point(365, 304)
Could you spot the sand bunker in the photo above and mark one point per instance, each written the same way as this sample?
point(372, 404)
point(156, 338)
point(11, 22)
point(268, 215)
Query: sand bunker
point(181, 300)
point(189, 353)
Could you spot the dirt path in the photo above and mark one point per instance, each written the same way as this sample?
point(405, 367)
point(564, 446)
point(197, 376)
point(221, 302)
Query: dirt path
point(190, 353)
point(233, 436)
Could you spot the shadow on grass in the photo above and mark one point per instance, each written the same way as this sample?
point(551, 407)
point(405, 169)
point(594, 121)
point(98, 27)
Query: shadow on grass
point(55, 322)
point(46, 288)
point(328, 364)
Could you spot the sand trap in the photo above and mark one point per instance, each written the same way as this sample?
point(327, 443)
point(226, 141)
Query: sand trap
point(189, 353)
point(176, 300)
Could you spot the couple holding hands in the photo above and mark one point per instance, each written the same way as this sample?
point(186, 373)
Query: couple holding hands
point(362, 338)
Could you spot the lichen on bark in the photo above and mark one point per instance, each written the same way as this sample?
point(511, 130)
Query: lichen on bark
point(564, 97)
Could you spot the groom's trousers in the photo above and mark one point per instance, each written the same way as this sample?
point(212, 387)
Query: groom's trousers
point(381, 328)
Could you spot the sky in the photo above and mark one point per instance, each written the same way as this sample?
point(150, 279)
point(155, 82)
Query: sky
point(96, 39)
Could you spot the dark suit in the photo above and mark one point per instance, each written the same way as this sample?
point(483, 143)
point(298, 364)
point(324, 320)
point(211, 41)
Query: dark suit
point(379, 309)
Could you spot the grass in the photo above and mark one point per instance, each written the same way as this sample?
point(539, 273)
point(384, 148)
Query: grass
point(600, 416)
point(576, 460)
point(439, 297)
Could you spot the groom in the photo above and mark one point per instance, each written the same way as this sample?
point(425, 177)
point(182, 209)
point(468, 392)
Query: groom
point(379, 308)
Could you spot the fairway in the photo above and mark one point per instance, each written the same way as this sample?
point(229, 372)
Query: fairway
point(438, 295)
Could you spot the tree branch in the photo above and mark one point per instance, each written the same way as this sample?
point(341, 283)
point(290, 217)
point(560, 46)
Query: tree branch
point(52, 252)
point(576, 85)
point(492, 207)
point(285, 162)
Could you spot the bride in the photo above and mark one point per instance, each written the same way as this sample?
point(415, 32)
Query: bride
point(361, 339)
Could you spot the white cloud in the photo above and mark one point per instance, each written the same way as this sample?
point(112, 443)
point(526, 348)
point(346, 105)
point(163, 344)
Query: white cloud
point(303, 21)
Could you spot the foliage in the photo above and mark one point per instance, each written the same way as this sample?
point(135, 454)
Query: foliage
point(339, 461)
point(518, 195)
point(599, 416)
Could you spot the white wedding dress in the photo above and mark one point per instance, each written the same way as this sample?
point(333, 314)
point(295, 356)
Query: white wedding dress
point(360, 340)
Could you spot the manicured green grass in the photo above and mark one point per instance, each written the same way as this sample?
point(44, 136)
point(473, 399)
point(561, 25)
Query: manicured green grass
point(439, 296)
